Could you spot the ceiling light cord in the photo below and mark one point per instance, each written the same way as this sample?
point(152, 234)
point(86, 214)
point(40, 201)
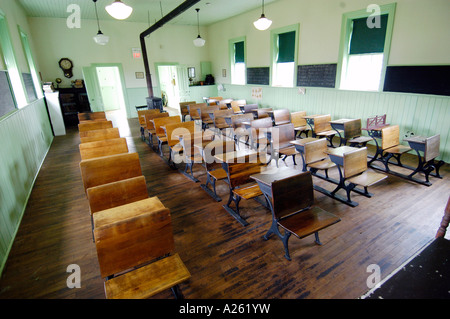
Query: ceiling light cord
point(96, 13)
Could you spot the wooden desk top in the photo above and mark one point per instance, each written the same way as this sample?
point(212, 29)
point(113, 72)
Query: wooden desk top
point(340, 121)
point(310, 116)
point(272, 175)
point(416, 139)
point(339, 151)
point(236, 155)
point(303, 141)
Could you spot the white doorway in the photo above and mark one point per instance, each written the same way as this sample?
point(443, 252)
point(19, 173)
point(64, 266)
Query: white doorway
point(111, 89)
point(168, 81)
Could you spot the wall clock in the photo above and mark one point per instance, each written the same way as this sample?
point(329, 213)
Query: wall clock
point(66, 65)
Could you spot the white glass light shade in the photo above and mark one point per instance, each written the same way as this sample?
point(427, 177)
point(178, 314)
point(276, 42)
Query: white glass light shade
point(119, 10)
point(262, 23)
point(199, 42)
point(101, 39)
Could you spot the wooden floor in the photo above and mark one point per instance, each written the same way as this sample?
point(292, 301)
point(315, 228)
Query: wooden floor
point(226, 260)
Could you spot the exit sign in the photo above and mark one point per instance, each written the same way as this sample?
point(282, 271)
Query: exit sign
point(137, 54)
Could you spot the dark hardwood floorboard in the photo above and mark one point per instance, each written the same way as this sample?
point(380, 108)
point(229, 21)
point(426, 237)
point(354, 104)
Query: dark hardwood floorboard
point(226, 260)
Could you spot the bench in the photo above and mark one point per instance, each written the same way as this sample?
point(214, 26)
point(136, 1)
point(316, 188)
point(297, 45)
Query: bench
point(258, 133)
point(103, 148)
point(135, 250)
point(281, 117)
point(143, 122)
point(242, 186)
point(159, 131)
point(184, 109)
point(322, 128)
point(214, 170)
point(352, 167)
point(300, 125)
point(292, 206)
point(98, 135)
point(107, 169)
point(150, 126)
point(96, 125)
point(91, 116)
point(280, 142)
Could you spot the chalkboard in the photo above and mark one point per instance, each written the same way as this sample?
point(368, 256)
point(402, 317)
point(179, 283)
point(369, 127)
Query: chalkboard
point(317, 75)
point(418, 79)
point(259, 76)
point(6, 98)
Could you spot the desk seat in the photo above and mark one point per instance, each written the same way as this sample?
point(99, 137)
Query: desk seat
point(398, 149)
point(149, 280)
point(324, 164)
point(248, 192)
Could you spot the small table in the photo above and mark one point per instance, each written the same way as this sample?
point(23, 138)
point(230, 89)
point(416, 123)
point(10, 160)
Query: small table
point(300, 147)
point(310, 121)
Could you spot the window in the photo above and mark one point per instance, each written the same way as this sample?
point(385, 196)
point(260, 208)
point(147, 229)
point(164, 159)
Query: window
point(31, 80)
point(237, 59)
point(365, 44)
point(15, 77)
point(284, 56)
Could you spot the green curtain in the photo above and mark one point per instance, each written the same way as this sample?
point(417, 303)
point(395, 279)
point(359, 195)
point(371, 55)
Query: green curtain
point(239, 56)
point(286, 47)
point(366, 40)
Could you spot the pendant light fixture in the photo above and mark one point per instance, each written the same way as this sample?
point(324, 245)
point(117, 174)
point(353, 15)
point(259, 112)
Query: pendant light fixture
point(198, 42)
point(262, 23)
point(119, 10)
point(100, 38)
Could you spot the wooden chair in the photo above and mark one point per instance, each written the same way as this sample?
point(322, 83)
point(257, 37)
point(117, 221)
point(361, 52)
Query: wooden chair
point(184, 109)
point(353, 134)
point(300, 125)
point(280, 145)
point(91, 116)
point(282, 116)
point(107, 169)
point(322, 128)
point(376, 121)
point(259, 129)
point(353, 172)
point(214, 170)
point(98, 135)
point(96, 125)
point(292, 206)
point(159, 131)
point(242, 186)
point(194, 111)
point(390, 146)
point(205, 117)
point(220, 124)
point(136, 254)
point(235, 107)
point(103, 148)
point(150, 126)
point(143, 122)
point(239, 129)
point(316, 158)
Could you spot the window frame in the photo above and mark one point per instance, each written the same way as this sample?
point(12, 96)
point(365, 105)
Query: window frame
point(346, 31)
point(30, 60)
point(274, 52)
point(10, 60)
point(231, 56)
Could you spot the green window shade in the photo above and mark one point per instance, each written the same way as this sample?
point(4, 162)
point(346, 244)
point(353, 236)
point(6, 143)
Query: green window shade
point(286, 47)
point(239, 52)
point(366, 40)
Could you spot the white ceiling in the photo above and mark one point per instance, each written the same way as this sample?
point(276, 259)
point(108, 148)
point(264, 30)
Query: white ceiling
point(146, 11)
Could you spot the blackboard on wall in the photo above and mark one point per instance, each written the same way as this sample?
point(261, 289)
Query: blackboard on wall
point(418, 79)
point(317, 75)
point(259, 76)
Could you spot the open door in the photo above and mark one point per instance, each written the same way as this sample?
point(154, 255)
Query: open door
point(183, 83)
point(93, 89)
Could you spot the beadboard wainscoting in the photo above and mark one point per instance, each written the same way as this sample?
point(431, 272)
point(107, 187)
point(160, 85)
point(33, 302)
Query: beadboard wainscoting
point(25, 138)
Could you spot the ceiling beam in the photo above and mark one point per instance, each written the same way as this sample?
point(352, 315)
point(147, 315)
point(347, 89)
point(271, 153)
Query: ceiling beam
point(174, 13)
